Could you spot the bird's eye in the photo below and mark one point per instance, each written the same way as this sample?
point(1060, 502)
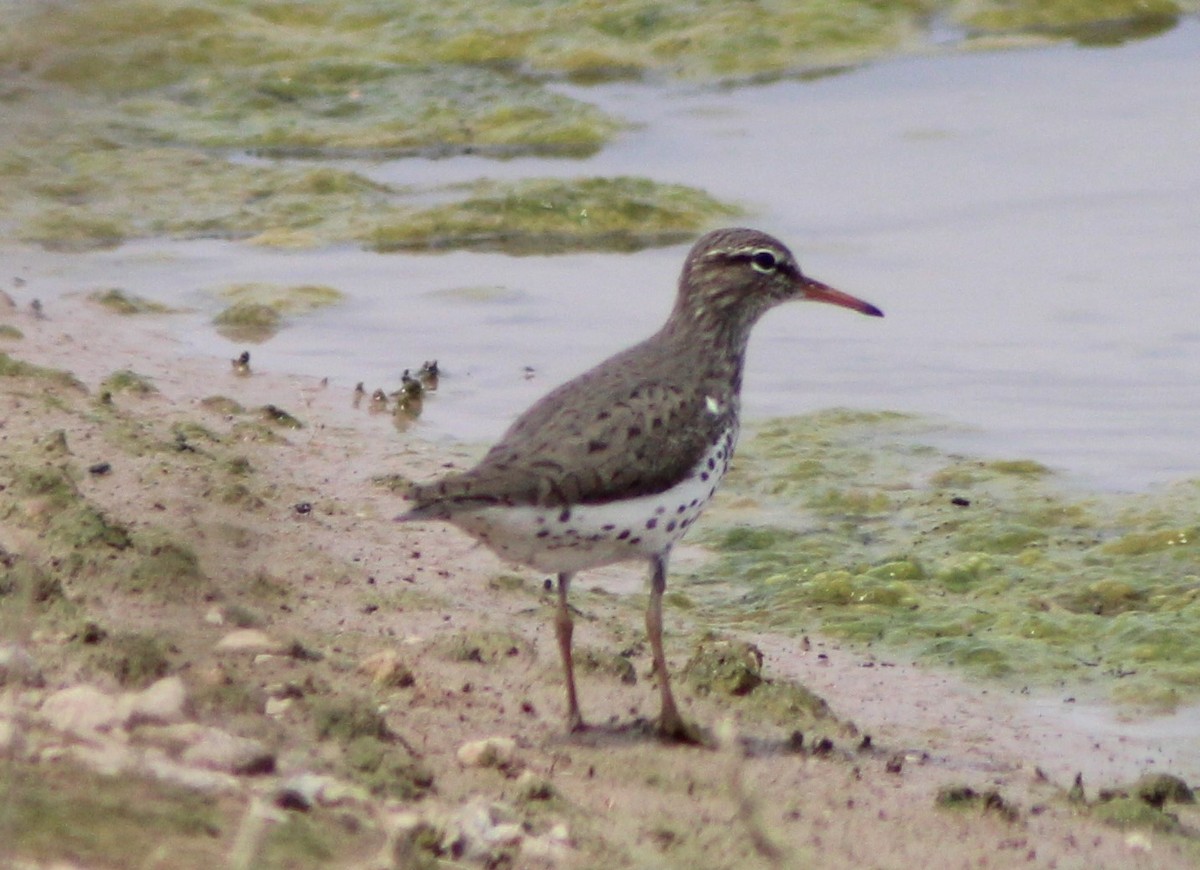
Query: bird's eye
point(763, 261)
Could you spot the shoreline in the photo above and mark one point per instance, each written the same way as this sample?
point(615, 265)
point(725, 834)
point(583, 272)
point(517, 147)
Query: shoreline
point(448, 646)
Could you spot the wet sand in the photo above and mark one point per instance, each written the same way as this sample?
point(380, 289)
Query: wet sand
point(347, 584)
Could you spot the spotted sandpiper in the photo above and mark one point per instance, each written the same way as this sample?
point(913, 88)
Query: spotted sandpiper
point(619, 462)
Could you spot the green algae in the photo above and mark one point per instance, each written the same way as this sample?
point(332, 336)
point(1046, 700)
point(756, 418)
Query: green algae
point(963, 797)
point(286, 299)
point(388, 769)
point(47, 499)
point(992, 566)
point(73, 231)
point(540, 216)
point(10, 367)
point(128, 119)
point(483, 646)
point(248, 321)
point(1133, 812)
point(166, 569)
point(122, 302)
point(86, 546)
point(1088, 22)
point(275, 416)
point(128, 381)
point(725, 667)
point(257, 310)
point(372, 753)
point(603, 661)
point(136, 659)
point(222, 405)
point(732, 669)
point(1157, 789)
point(10, 332)
point(61, 812)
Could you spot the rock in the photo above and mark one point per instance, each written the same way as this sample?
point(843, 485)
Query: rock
point(162, 703)
point(306, 790)
point(18, 666)
point(220, 750)
point(489, 752)
point(337, 793)
point(385, 669)
point(83, 711)
point(108, 757)
point(278, 706)
point(480, 828)
point(156, 764)
point(173, 738)
point(532, 787)
point(301, 792)
point(554, 846)
point(412, 840)
point(214, 616)
point(249, 640)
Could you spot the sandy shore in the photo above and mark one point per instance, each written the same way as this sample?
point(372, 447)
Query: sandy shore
point(355, 659)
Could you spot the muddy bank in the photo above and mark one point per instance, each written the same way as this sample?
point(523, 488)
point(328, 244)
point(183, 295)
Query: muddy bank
point(218, 647)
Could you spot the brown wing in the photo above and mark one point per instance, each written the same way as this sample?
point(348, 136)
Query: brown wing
point(610, 432)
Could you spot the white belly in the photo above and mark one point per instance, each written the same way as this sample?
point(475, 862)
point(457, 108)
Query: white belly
point(590, 535)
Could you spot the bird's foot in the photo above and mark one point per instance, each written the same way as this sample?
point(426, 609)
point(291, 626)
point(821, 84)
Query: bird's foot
point(575, 724)
point(673, 728)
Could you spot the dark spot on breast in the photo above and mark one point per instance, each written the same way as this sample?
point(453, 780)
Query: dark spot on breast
point(651, 523)
point(712, 463)
point(544, 533)
point(608, 527)
point(671, 526)
point(681, 509)
point(565, 515)
point(625, 534)
point(660, 510)
point(595, 445)
point(704, 475)
point(685, 522)
point(633, 541)
point(694, 502)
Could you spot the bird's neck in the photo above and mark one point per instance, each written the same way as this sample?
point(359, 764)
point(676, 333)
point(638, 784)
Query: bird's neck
point(711, 344)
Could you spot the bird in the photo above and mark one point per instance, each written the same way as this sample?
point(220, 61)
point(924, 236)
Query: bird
point(619, 462)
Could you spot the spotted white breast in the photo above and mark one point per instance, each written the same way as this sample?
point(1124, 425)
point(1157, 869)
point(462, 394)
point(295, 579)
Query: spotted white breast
point(585, 536)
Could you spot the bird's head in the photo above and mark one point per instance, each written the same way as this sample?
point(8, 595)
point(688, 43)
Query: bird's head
point(736, 275)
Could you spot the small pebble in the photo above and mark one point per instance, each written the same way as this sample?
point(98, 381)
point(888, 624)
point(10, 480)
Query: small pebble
point(489, 752)
point(249, 640)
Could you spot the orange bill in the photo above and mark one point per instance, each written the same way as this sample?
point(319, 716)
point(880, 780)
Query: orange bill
point(819, 292)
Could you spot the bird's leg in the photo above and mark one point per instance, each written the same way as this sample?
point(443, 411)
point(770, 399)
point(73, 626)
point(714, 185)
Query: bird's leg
point(564, 626)
point(670, 723)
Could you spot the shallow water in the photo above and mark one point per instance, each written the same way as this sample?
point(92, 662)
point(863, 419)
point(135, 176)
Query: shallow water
point(1027, 219)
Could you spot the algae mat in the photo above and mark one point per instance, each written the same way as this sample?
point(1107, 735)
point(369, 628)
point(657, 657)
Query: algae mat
point(132, 119)
point(847, 522)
